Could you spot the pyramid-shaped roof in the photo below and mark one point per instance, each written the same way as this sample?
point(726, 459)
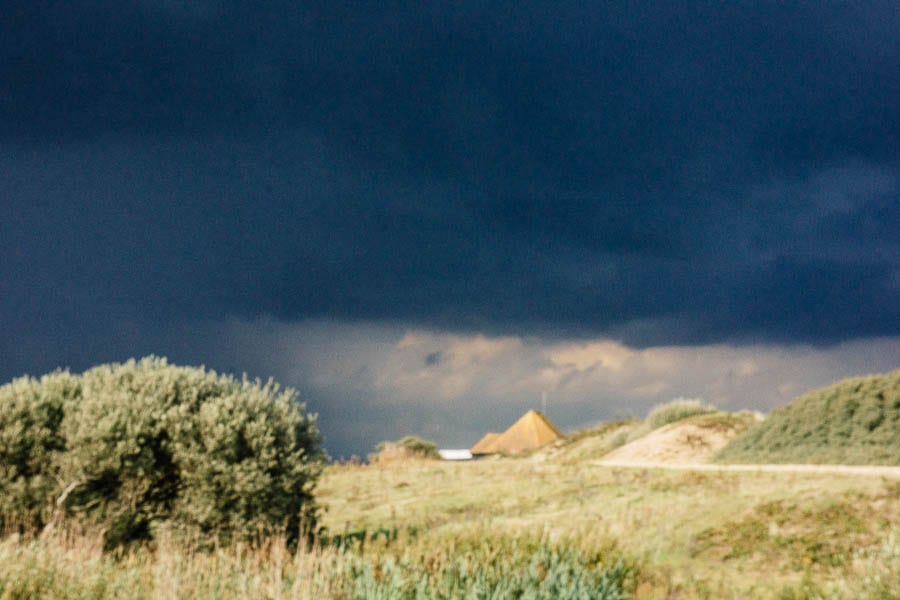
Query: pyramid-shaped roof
point(532, 430)
point(486, 444)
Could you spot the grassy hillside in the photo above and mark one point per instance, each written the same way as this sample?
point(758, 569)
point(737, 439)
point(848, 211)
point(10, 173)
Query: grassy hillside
point(555, 523)
point(854, 421)
point(691, 534)
point(537, 527)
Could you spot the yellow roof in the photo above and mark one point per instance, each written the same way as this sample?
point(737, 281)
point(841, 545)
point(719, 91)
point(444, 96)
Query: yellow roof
point(485, 445)
point(532, 430)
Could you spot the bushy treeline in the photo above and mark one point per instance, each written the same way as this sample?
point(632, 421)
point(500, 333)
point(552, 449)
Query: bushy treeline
point(854, 421)
point(145, 445)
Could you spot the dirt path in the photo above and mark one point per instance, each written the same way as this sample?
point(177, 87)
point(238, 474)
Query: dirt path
point(869, 470)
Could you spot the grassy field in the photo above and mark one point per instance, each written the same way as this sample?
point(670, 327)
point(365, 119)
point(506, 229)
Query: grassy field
point(521, 528)
point(551, 523)
point(694, 535)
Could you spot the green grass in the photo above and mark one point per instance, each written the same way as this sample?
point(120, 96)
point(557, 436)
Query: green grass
point(586, 444)
point(854, 421)
point(806, 536)
point(551, 524)
point(665, 414)
point(409, 447)
point(691, 534)
point(472, 565)
point(529, 528)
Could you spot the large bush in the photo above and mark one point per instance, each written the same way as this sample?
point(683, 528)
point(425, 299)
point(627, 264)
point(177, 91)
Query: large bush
point(137, 446)
point(31, 413)
point(854, 421)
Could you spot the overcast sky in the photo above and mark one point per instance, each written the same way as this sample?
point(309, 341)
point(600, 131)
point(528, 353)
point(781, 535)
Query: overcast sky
point(425, 217)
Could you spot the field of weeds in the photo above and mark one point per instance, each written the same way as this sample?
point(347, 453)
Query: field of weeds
point(518, 528)
point(384, 565)
point(687, 534)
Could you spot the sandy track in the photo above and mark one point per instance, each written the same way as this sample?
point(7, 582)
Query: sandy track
point(868, 470)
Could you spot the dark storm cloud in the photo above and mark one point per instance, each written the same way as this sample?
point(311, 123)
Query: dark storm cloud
point(670, 172)
point(551, 91)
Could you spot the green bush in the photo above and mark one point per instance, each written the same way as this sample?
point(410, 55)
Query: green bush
point(410, 446)
point(417, 445)
point(31, 412)
point(676, 410)
point(854, 421)
point(670, 412)
point(141, 445)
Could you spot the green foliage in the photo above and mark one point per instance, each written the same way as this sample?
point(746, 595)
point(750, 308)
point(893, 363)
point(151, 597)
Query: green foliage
point(31, 412)
point(456, 567)
point(417, 445)
point(804, 537)
point(875, 575)
point(141, 445)
point(664, 414)
point(407, 447)
point(601, 430)
point(519, 568)
point(676, 410)
point(854, 421)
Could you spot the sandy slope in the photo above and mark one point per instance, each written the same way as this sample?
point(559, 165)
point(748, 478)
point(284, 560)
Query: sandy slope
point(677, 443)
point(689, 446)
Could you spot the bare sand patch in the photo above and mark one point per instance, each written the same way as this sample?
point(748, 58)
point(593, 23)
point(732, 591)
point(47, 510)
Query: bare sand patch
point(677, 443)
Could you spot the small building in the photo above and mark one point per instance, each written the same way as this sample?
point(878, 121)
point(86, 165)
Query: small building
point(485, 444)
point(532, 430)
point(455, 454)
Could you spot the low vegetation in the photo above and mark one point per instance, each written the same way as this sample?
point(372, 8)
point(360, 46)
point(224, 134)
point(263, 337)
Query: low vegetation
point(409, 447)
point(676, 410)
point(517, 528)
point(590, 443)
point(854, 421)
point(143, 447)
point(554, 523)
point(474, 564)
point(665, 414)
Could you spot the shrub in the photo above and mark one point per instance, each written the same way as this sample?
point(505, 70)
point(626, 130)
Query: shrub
point(670, 412)
point(676, 410)
point(854, 421)
point(141, 445)
point(31, 413)
point(407, 447)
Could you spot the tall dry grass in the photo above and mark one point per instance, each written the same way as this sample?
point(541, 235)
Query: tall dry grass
point(70, 565)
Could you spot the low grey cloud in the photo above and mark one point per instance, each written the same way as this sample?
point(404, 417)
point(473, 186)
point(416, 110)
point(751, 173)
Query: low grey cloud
point(484, 382)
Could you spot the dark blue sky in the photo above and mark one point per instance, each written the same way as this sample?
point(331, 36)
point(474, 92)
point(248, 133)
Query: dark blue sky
point(670, 173)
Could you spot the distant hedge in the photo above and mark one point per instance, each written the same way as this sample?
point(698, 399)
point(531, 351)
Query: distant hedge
point(145, 445)
point(854, 421)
